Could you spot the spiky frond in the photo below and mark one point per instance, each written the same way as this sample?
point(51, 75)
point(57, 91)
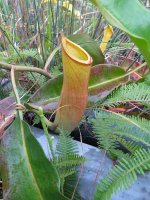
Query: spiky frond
point(110, 123)
point(67, 163)
point(138, 93)
point(105, 138)
point(69, 188)
point(117, 154)
point(21, 55)
point(66, 145)
point(130, 146)
point(123, 175)
point(70, 160)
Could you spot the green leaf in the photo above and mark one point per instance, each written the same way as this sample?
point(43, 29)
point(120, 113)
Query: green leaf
point(123, 175)
point(89, 45)
point(125, 94)
point(116, 124)
point(27, 174)
point(131, 17)
point(103, 79)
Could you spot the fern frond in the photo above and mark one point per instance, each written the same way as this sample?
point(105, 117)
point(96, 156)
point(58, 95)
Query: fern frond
point(117, 154)
point(106, 141)
point(67, 173)
point(69, 160)
point(66, 145)
point(138, 93)
point(128, 145)
point(109, 142)
point(24, 54)
point(69, 187)
point(67, 164)
point(135, 128)
point(123, 175)
point(37, 77)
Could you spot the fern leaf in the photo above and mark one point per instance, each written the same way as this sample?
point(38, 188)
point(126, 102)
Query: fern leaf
point(67, 164)
point(66, 145)
point(117, 154)
point(135, 128)
point(125, 94)
point(67, 173)
point(24, 54)
point(69, 187)
point(123, 175)
point(130, 146)
point(70, 160)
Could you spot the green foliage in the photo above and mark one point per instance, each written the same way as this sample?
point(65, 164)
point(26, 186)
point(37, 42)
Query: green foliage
point(108, 124)
point(123, 175)
point(22, 55)
point(67, 163)
point(23, 26)
point(66, 145)
point(134, 21)
point(132, 132)
point(103, 79)
point(134, 92)
point(71, 160)
point(35, 176)
point(130, 146)
point(36, 120)
point(2, 94)
point(90, 45)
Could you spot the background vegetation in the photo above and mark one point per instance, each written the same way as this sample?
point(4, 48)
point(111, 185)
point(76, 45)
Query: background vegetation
point(29, 36)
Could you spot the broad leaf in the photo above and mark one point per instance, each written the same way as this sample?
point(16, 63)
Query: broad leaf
point(130, 16)
point(27, 174)
point(76, 66)
point(103, 79)
point(89, 45)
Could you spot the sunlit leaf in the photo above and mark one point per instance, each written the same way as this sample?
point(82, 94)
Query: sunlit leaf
point(76, 66)
point(131, 17)
point(108, 32)
point(26, 173)
point(67, 5)
point(52, 1)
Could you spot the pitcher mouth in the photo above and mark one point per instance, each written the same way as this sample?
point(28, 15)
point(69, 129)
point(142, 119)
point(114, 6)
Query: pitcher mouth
point(76, 52)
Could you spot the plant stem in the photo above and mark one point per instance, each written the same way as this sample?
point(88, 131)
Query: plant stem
point(50, 139)
point(47, 64)
point(24, 68)
point(15, 91)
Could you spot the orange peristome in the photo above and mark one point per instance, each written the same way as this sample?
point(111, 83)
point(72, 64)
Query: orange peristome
point(76, 66)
